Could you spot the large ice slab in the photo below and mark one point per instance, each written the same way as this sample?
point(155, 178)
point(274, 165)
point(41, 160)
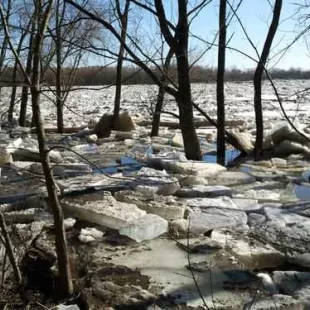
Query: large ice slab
point(147, 227)
point(155, 181)
point(203, 191)
point(102, 209)
point(166, 207)
point(192, 167)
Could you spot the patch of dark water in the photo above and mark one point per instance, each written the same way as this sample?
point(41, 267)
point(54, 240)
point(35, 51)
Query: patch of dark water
point(240, 277)
point(302, 192)
point(125, 164)
point(230, 155)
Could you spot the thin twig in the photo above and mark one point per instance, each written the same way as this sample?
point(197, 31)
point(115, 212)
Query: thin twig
point(191, 269)
point(9, 248)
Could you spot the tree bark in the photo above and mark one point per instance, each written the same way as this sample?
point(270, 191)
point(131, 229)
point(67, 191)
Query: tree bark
point(184, 98)
point(258, 80)
point(5, 41)
point(58, 46)
point(15, 71)
point(2, 58)
point(220, 85)
point(161, 95)
point(9, 248)
point(65, 281)
point(13, 94)
point(158, 108)
point(25, 90)
point(118, 89)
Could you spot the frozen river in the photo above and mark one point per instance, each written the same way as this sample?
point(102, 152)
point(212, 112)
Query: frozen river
point(87, 104)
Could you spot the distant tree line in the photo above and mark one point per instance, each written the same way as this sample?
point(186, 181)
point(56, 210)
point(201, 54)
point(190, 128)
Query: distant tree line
point(96, 75)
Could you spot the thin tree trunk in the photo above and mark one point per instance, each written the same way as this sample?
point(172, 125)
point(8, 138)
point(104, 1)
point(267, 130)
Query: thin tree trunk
point(5, 42)
point(15, 71)
point(118, 89)
point(258, 79)
point(13, 94)
point(58, 43)
point(158, 108)
point(2, 58)
point(220, 85)
point(65, 285)
point(9, 248)
point(161, 95)
point(25, 90)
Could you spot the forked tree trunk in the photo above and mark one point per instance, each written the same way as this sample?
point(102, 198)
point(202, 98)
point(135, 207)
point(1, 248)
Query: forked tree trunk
point(118, 89)
point(220, 85)
point(258, 80)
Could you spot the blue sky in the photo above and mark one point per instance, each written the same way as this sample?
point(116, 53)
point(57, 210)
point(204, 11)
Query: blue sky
point(256, 16)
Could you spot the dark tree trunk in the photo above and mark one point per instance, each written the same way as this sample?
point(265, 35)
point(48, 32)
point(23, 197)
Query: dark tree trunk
point(25, 89)
point(161, 95)
point(5, 41)
point(60, 114)
point(23, 106)
point(65, 285)
point(12, 100)
point(258, 80)
point(2, 58)
point(220, 85)
point(59, 99)
point(118, 90)
point(15, 71)
point(158, 108)
point(13, 94)
point(179, 43)
point(184, 98)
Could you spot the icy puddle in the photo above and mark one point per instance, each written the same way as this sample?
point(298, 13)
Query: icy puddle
point(302, 192)
point(230, 155)
point(166, 264)
point(126, 165)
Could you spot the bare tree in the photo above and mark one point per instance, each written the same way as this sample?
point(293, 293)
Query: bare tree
point(43, 16)
point(161, 94)
point(10, 252)
point(220, 85)
point(123, 18)
point(69, 35)
point(258, 78)
point(25, 89)
point(42, 13)
point(4, 45)
point(23, 34)
point(179, 43)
